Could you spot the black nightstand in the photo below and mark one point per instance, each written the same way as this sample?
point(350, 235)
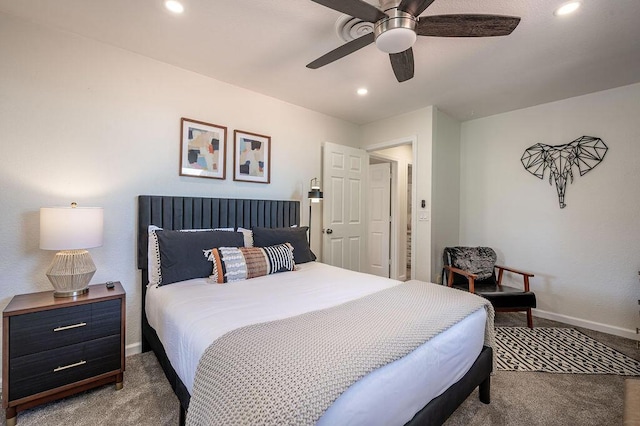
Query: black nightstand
point(56, 347)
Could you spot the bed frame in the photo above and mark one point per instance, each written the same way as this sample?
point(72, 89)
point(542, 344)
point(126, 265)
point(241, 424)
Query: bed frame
point(175, 212)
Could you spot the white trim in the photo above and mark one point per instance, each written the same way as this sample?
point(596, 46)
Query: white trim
point(392, 143)
point(591, 325)
point(414, 207)
point(133, 349)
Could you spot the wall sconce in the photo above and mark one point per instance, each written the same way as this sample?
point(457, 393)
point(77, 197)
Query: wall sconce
point(315, 196)
point(71, 230)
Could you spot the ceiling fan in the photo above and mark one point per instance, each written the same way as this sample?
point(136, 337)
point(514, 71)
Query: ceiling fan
point(397, 25)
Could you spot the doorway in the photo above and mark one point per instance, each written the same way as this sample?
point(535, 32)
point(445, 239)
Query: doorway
point(399, 156)
point(379, 217)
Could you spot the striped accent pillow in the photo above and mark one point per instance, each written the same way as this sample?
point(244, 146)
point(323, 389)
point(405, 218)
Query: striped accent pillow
point(241, 263)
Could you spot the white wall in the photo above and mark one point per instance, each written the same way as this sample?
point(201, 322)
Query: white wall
point(586, 256)
point(414, 125)
point(83, 121)
point(445, 189)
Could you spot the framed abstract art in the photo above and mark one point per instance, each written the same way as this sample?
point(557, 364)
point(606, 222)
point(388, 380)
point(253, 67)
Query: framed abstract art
point(251, 157)
point(203, 149)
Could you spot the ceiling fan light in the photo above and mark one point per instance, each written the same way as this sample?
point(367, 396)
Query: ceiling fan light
point(174, 6)
point(396, 33)
point(567, 8)
point(396, 40)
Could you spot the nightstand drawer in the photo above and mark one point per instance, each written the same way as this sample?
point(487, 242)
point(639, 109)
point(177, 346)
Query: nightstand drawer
point(41, 331)
point(39, 372)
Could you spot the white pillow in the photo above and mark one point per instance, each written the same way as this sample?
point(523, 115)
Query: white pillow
point(153, 257)
point(153, 254)
point(248, 236)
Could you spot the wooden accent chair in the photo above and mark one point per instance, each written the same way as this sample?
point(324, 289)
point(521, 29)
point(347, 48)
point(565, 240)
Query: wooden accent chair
point(474, 269)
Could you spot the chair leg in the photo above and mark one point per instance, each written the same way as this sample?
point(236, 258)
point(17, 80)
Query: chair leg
point(529, 318)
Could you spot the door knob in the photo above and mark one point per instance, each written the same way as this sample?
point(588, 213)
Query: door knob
point(329, 231)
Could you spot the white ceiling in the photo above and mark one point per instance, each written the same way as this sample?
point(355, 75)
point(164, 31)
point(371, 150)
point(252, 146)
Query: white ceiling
point(264, 45)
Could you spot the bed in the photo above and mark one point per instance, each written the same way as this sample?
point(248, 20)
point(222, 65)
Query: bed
point(179, 344)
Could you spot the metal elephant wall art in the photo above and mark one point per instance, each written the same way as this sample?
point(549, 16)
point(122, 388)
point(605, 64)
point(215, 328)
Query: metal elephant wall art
point(585, 152)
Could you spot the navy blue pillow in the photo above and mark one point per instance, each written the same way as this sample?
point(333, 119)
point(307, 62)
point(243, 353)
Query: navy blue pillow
point(181, 255)
point(297, 237)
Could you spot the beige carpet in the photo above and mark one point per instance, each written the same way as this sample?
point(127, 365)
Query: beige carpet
point(517, 398)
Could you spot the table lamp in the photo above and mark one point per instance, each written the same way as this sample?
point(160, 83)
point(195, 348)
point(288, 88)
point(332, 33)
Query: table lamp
point(71, 230)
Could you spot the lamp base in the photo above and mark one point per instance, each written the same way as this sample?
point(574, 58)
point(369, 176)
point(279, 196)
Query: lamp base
point(70, 273)
point(73, 293)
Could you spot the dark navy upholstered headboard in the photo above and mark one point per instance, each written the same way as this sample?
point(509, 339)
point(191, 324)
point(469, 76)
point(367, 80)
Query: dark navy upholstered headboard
point(174, 213)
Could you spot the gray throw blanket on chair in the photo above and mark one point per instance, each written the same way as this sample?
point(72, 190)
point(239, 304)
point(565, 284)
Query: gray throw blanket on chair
point(288, 372)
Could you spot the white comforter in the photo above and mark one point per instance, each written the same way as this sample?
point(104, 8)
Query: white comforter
point(189, 315)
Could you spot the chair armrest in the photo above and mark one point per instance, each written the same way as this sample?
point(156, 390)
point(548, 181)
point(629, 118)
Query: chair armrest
point(515, 271)
point(461, 272)
point(470, 277)
point(525, 275)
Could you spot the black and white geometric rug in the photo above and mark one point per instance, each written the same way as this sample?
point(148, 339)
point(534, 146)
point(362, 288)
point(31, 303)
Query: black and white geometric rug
point(559, 350)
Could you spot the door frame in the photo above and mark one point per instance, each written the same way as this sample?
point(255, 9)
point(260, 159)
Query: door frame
point(413, 141)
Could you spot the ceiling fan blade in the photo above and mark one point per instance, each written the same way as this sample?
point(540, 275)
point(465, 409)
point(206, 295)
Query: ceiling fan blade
point(466, 25)
point(414, 7)
point(402, 64)
point(356, 8)
point(342, 51)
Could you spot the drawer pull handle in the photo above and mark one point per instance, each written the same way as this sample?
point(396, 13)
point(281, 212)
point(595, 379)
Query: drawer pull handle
point(68, 327)
point(77, 364)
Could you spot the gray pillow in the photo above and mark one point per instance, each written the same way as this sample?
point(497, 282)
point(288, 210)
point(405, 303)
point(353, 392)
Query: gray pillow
point(297, 237)
point(181, 252)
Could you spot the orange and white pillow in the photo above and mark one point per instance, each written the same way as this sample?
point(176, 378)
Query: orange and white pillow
point(232, 264)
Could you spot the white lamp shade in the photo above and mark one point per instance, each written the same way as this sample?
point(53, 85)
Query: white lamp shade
point(71, 228)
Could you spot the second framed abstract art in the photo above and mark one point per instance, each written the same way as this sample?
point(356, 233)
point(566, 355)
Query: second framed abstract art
point(251, 157)
point(203, 149)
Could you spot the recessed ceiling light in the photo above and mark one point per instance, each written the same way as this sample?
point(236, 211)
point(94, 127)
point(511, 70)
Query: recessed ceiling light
point(567, 8)
point(174, 6)
point(362, 91)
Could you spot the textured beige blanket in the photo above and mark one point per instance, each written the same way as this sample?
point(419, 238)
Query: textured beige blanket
point(288, 372)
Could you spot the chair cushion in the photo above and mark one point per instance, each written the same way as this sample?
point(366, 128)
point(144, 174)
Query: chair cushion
point(503, 296)
point(477, 260)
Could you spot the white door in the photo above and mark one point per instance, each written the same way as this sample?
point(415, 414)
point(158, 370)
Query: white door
point(378, 236)
point(344, 177)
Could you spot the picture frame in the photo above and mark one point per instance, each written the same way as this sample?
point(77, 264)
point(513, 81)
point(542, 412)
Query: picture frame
point(203, 149)
point(251, 157)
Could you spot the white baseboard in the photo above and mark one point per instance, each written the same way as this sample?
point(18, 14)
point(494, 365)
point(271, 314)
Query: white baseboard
point(591, 325)
point(132, 349)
